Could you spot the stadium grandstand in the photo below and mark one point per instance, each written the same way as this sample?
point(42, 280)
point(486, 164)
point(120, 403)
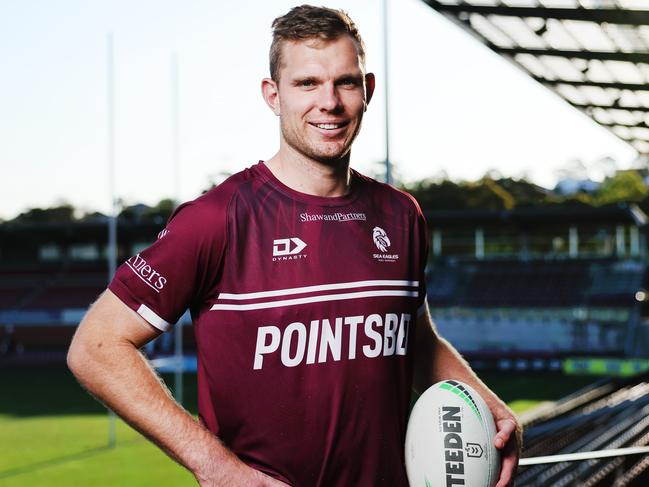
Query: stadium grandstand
point(529, 286)
point(524, 287)
point(611, 414)
point(50, 272)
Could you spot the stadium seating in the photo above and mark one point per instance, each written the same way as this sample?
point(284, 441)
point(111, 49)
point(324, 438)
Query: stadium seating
point(609, 414)
point(542, 306)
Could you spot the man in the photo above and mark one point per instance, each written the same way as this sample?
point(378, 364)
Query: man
point(306, 287)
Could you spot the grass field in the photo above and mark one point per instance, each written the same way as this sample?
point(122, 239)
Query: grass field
point(54, 434)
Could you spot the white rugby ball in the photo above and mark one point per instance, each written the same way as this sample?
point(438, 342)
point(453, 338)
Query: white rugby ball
point(449, 441)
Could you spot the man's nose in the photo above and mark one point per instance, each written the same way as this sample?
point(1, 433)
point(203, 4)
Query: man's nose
point(329, 99)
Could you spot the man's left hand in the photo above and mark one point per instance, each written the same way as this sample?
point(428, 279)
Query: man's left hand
point(508, 440)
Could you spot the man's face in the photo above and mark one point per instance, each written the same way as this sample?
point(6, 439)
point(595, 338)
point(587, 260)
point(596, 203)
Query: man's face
point(322, 97)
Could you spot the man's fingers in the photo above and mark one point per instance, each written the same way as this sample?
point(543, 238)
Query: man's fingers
point(509, 446)
point(509, 460)
point(272, 482)
point(509, 465)
point(505, 429)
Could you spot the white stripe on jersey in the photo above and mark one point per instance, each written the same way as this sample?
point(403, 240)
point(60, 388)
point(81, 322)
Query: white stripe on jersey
point(148, 314)
point(312, 299)
point(321, 287)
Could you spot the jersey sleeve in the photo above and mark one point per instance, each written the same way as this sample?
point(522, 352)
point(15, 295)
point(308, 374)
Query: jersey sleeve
point(179, 269)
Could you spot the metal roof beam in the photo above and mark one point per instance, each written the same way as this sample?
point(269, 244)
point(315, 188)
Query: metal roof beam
point(632, 57)
point(631, 140)
point(640, 125)
point(610, 107)
point(597, 84)
point(598, 15)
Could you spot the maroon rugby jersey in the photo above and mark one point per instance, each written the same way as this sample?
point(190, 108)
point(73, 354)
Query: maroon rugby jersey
point(303, 310)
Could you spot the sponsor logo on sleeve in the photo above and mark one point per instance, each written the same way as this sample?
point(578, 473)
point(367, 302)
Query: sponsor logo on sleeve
point(288, 249)
point(382, 242)
point(332, 217)
point(146, 273)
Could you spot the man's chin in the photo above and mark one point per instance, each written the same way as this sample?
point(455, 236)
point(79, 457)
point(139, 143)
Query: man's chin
point(330, 155)
point(331, 159)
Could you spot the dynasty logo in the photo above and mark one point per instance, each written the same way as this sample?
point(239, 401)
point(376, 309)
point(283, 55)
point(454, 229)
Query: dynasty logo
point(288, 249)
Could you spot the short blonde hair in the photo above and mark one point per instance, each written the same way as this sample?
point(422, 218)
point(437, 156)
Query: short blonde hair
point(308, 22)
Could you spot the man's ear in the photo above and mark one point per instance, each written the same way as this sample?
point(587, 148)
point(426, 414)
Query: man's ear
point(270, 92)
point(370, 84)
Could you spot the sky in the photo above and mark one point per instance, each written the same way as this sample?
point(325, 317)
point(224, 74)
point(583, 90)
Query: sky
point(456, 108)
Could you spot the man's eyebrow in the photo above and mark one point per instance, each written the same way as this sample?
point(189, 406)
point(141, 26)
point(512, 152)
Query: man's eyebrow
point(354, 75)
point(302, 78)
point(358, 78)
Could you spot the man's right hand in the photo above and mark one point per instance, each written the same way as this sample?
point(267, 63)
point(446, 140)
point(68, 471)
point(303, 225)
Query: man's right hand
point(268, 481)
point(242, 476)
point(104, 356)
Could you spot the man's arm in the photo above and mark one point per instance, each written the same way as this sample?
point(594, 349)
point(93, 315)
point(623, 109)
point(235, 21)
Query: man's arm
point(104, 356)
point(437, 360)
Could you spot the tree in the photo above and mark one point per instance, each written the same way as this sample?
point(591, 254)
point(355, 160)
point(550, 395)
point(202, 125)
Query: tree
point(61, 213)
point(524, 192)
point(433, 195)
point(447, 195)
point(624, 186)
point(159, 213)
point(162, 211)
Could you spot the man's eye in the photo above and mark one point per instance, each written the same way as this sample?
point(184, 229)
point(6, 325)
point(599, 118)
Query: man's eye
point(349, 82)
point(306, 82)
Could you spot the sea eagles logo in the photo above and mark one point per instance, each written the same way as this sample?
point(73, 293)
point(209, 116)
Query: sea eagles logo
point(382, 243)
point(381, 239)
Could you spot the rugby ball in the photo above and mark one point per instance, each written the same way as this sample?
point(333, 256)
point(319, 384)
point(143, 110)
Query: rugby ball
point(449, 441)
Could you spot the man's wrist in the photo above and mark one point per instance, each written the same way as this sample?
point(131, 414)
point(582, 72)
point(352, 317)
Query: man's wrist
point(230, 471)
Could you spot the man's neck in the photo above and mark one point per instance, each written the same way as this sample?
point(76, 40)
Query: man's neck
point(311, 177)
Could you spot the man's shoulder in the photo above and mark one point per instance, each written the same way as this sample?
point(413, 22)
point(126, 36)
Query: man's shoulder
point(212, 205)
point(389, 193)
point(223, 192)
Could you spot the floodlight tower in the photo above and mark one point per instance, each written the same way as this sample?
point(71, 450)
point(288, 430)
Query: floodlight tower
point(178, 330)
point(112, 212)
point(388, 169)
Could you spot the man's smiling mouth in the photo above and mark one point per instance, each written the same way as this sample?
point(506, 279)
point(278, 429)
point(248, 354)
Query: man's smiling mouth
point(329, 125)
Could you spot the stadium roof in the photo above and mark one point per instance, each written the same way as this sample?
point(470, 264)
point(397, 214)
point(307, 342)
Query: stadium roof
point(593, 53)
point(612, 214)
